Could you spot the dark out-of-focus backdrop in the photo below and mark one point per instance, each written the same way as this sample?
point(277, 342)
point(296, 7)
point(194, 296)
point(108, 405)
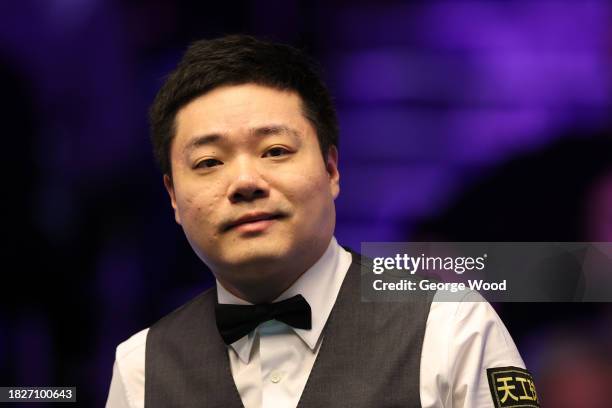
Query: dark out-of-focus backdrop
point(460, 120)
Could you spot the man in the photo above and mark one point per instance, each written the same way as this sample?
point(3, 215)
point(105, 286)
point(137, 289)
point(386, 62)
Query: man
point(246, 136)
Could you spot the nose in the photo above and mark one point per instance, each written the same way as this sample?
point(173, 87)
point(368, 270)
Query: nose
point(247, 182)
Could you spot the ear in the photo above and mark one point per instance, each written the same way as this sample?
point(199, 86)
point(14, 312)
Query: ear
point(170, 189)
point(332, 169)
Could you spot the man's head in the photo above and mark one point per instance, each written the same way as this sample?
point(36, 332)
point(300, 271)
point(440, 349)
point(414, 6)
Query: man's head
point(250, 161)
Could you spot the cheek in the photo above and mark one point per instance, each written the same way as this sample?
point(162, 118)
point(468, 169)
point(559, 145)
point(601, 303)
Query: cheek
point(197, 207)
point(310, 192)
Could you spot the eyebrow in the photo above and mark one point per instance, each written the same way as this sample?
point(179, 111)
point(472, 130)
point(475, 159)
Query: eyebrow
point(262, 131)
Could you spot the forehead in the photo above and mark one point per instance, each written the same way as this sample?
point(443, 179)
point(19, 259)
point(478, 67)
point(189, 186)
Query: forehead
point(230, 109)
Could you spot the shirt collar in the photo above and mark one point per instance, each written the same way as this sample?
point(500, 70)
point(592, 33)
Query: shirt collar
point(319, 285)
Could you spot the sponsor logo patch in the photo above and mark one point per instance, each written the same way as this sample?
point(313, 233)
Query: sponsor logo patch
point(512, 387)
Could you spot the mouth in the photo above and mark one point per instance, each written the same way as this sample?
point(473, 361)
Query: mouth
point(253, 221)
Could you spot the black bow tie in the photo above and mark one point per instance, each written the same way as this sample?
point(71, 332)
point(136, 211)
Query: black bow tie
point(236, 321)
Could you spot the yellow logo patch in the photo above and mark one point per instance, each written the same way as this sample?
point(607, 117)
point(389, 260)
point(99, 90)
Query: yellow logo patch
point(512, 387)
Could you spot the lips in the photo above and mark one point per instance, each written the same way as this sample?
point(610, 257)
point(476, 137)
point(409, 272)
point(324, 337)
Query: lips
point(251, 218)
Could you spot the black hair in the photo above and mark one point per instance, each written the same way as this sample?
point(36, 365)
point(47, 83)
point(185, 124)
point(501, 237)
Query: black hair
point(236, 60)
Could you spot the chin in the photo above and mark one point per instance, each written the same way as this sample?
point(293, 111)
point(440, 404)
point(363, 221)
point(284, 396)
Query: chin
point(258, 253)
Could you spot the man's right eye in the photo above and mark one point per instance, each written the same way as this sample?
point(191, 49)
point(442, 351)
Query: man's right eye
point(207, 163)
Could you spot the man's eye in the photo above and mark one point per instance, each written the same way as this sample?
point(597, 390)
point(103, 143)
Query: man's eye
point(207, 163)
point(276, 151)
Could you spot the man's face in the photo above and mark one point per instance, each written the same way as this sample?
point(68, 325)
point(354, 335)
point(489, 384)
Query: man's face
point(249, 184)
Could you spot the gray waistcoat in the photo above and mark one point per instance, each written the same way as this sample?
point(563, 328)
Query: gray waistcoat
point(370, 355)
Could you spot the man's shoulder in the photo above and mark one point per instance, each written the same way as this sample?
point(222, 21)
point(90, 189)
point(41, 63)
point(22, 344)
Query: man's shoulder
point(130, 354)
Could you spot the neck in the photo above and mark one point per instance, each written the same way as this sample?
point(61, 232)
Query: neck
point(264, 283)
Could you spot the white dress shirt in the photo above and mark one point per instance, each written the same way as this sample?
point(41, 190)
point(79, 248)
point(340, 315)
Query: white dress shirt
point(270, 366)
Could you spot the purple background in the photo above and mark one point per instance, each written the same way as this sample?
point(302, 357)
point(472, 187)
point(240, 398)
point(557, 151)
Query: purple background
point(463, 120)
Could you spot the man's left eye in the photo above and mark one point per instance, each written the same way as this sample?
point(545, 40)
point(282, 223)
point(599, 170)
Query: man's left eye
point(276, 151)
